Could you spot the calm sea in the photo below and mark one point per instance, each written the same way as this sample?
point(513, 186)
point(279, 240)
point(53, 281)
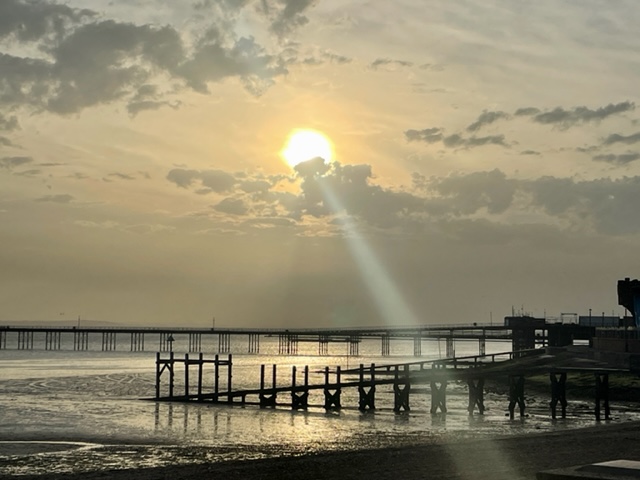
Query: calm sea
point(69, 411)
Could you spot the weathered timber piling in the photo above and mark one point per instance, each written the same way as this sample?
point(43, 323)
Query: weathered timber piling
point(169, 364)
point(450, 351)
point(3, 340)
point(25, 340)
point(516, 394)
point(137, 341)
point(386, 345)
point(224, 342)
point(166, 342)
point(476, 395)
point(80, 340)
point(323, 344)
point(254, 343)
point(482, 344)
point(268, 400)
point(417, 346)
point(52, 340)
point(558, 393)
point(367, 399)
point(438, 388)
point(288, 344)
point(401, 390)
point(300, 395)
point(354, 345)
point(195, 342)
point(332, 399)
point(108, 341)
point(602, 395)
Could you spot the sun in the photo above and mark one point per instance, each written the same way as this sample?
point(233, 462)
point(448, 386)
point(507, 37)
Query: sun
point(304, 144)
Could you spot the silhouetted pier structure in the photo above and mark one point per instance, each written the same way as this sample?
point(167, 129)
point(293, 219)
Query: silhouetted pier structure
point(404, 379)
point(523, 335)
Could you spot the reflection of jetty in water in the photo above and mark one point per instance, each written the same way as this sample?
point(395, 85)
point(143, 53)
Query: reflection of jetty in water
point(403, 379)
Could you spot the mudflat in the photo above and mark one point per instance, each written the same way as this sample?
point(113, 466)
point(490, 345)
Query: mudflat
point(512, 457)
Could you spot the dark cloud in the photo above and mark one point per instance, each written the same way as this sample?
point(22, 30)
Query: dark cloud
point(86, 61)
point(13, 162)
point(568, 118)
point(526, 111)
point(9, 124)
point(529, 152)
point(4, 141)
point(429, 135)
point(457, 141)
point(61, 198)
point(233, 206)
point(387, 62)
point(30, 21)
point(286, 15)
point(486, 118)
point(121, 176)
point(617, 138)
point(210, 180)
point(621, 159)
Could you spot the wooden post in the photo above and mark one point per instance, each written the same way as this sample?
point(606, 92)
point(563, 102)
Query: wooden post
point(186, 375)
point(602, 394)
point(216, 378)
point(229, 379)
point(558, 393)
point(200, 367)
point(157, 374)
point(516, 394)
point(171, 362)
point(476, 395)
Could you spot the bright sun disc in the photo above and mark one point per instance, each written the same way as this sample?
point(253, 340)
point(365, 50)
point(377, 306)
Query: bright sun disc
point(304, 145)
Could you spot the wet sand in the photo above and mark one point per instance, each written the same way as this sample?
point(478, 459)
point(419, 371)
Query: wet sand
point(513, 457)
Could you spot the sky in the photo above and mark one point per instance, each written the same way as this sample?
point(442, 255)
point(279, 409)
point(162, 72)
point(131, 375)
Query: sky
point(484, 160)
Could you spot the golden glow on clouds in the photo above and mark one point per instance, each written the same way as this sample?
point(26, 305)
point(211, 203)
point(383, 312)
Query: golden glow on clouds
point(304, 144)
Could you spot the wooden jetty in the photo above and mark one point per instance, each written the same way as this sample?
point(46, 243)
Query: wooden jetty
point(430, 376)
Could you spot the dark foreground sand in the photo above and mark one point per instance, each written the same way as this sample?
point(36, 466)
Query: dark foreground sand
point(515, 457)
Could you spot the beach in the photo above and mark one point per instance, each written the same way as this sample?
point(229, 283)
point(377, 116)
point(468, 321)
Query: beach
point(512, 457)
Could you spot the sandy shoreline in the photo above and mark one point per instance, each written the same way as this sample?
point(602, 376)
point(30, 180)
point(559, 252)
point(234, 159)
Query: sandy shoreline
point(512, 457)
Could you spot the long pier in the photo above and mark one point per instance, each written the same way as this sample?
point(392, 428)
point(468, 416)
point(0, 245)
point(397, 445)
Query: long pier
point(191, 340)
point(404, 378)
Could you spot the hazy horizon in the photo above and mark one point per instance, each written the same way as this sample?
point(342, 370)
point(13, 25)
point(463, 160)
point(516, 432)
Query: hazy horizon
point(484, 157)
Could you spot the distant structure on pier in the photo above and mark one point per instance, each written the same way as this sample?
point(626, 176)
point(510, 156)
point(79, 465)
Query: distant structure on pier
point(629, 297)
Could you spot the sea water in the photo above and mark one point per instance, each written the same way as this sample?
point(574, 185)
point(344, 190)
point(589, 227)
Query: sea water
point(73, 411)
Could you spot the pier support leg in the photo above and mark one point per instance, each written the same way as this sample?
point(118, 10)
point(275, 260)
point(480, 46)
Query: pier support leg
point(516, 395)
point(558, 393)
point(438, 396)
point(332, 400)
point(450, 351)
point(367, 399)
point(386, 345)
point(401, 397)
point(417, 346)
point(602, 395)
point(476, 395)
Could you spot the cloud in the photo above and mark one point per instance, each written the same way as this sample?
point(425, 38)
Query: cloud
point(61, 198)
point(9, 124)
point(287, 15)
point(486, 118)
point(529, 152)
point(621, 159)
point(617, 138)
point(211, 180)
point(457, 141)
point(233, 206)
point(526, 111)
point(429, 135)
point(12, 162)
point(4, 141)
point(568, 118)
point(388, 63)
